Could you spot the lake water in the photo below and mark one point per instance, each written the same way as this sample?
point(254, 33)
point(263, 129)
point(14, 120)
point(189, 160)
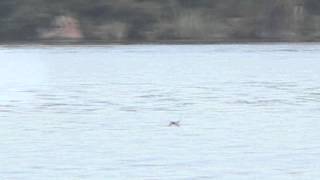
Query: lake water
point(247, 112)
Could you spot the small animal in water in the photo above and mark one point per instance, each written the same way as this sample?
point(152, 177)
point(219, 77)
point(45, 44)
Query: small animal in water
point(174, 123)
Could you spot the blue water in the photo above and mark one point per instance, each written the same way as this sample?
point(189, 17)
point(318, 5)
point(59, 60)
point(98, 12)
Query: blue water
point(247, 112)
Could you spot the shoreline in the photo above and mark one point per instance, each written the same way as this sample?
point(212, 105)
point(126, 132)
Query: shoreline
point(156, 42)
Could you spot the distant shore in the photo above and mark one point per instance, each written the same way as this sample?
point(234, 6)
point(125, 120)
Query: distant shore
point(173, 42)
point(158, 22)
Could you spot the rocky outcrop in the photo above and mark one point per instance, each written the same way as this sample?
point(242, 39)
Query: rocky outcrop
point(63, 27)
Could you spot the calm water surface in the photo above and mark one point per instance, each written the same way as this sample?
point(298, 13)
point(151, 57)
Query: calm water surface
point(247, 112)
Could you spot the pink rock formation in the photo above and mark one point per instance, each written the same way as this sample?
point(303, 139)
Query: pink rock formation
point(63, 27)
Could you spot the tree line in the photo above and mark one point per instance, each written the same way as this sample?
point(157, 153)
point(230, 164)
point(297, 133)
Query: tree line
point(160, 20)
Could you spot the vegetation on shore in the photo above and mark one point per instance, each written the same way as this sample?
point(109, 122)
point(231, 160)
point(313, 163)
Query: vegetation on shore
point(159, 20)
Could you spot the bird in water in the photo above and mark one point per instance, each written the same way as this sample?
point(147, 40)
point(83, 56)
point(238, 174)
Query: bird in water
point(174, 123)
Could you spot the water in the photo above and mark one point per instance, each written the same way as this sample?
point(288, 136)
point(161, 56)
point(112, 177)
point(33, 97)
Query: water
point(247, 112)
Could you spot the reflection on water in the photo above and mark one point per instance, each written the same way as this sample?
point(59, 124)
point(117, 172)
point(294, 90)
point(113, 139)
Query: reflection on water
point(101, 112)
